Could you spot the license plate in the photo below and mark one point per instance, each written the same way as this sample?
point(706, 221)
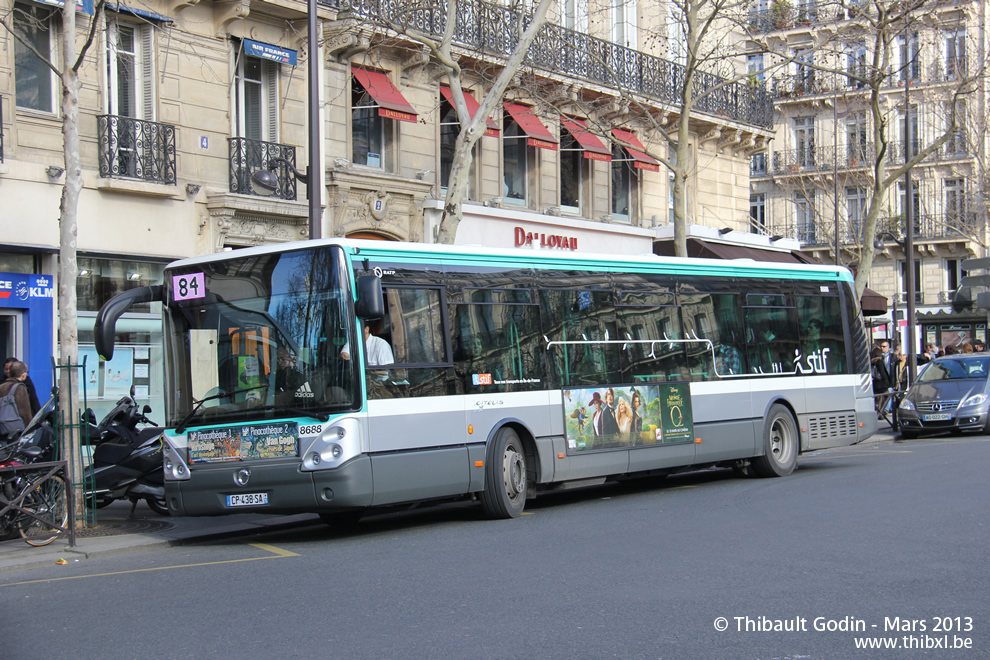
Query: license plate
point(247, 499)
point(937, 417)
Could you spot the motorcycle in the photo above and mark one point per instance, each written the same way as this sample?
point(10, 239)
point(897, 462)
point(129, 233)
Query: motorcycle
point(127, 460)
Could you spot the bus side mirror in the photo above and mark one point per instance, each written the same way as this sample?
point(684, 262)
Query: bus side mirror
point(371, 302)
point(113, 309)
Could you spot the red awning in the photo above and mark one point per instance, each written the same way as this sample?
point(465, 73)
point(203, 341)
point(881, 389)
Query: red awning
point(538, 134)
point(593, 147)
point(640, 159)
point(390, 100)
point(473, 107)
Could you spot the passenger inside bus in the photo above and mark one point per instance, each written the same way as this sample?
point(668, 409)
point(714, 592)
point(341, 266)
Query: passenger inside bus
point(377, 350)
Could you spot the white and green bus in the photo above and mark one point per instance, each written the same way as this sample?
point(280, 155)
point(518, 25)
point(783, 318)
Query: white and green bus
point(506, 374)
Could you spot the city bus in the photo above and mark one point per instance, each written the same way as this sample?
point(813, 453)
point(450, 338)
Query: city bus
point(506, 373)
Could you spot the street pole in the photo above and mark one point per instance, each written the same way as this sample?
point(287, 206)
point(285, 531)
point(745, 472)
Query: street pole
point(909, 223)
point(835, 163)
point(315, 169)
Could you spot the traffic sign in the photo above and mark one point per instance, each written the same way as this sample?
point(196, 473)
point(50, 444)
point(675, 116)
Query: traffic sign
point(975, 280)
point(975, 264)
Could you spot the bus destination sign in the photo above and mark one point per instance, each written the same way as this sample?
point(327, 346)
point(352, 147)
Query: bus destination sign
point(238, 443)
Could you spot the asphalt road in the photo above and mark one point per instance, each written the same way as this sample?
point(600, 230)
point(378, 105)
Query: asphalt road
point(875, 537)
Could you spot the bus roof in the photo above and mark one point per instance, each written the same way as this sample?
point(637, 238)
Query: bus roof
point(542, 258)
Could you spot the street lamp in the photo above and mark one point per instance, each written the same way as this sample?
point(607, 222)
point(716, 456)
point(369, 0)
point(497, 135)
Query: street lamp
point(264, 181)
point(908, 247)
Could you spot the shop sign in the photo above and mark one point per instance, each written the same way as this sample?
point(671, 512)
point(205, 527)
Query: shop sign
point(559, 241)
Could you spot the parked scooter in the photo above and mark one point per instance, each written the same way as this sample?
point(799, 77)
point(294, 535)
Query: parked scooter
point(127, 461)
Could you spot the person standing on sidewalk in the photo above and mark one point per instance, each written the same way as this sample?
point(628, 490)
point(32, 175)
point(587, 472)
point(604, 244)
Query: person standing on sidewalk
point(28, 383)
point(16, 375)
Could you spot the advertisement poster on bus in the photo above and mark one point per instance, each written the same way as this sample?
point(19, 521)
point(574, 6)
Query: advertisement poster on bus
point(622, 416)
point(234, 443)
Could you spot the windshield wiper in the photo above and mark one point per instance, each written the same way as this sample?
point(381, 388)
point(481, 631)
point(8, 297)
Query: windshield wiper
point(181, 426)
point(323, 417)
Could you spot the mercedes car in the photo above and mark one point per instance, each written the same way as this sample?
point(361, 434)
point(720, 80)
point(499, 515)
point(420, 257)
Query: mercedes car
point(951, 394)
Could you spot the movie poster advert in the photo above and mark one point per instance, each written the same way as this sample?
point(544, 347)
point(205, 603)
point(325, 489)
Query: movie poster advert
point(238, 443)
point(623, 416)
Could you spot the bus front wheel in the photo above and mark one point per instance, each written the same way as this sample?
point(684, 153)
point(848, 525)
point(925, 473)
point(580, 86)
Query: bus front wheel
point(505, 476)
point(780, 444)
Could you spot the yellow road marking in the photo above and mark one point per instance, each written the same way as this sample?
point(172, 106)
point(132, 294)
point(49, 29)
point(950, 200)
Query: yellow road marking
point(680, 487)
point(277, 553)
point(526, 513)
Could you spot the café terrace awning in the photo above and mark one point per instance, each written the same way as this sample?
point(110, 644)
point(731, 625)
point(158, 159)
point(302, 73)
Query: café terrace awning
point(391, 103)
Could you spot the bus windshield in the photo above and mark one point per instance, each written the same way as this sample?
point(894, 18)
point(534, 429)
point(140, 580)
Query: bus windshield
point(259, 337)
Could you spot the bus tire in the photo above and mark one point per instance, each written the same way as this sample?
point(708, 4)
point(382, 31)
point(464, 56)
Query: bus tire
point(504, 495)
point(780, 444)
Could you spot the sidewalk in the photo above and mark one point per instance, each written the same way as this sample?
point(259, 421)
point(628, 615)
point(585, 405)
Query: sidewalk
point(117, 531)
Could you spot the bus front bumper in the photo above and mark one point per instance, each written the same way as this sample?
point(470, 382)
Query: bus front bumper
point(270, 487)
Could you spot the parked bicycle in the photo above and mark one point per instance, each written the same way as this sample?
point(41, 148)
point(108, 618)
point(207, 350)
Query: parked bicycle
point(32, 502)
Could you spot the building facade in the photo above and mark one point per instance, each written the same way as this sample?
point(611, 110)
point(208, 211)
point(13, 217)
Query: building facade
point(183, 102)
point(814, 183)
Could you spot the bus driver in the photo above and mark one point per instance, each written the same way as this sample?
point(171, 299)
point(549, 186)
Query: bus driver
point(377, 349)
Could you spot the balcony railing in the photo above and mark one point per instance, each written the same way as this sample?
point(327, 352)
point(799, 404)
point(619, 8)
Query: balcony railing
point(490, 28)
point(248, 156)
point(956, 224)
point(136, 149)
point(812, 158)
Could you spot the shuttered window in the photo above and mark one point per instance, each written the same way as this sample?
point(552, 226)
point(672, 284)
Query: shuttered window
point(256, 96)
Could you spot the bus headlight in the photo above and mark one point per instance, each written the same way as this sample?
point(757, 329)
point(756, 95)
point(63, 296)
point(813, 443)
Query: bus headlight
point(339, 443)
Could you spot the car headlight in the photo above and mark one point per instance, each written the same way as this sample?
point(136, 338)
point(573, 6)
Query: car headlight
point(906, 404)
point(974, 400)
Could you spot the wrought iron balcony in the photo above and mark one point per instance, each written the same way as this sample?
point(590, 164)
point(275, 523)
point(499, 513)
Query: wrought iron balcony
point(955, 224)
point(248, 156)
point(136, 149)
point(491, 29)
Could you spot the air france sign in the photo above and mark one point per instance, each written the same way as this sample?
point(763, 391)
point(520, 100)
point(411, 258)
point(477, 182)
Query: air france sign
point(18, 291)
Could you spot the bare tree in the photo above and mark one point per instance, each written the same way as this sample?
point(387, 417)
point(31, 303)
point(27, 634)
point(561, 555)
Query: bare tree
point(442, 52)
point(73, 56)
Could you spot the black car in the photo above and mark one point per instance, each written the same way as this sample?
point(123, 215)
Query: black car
point(952, 394)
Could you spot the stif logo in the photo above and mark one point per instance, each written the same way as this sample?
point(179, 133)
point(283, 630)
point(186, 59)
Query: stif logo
point(304, 392)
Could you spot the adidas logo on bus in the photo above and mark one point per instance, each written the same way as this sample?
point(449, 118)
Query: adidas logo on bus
point(304, 392)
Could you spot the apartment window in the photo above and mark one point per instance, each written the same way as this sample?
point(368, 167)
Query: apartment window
point(130, 61)
point(955, 203)
point(517, 156)
point(918, 289)
point(807, 11)
point(958, 143)
point(754, 67)
point(450, 128)
point(256, 97)
point(626, 161)
point(376, 107)
point(804, 218)
point(856, 65)
point(804, 141)
point(573, 173)
point(909, 141)
point(523, 134)
point(902, 208)
point(574, 15)
point(758, 213)
point(624, 179)
point(856, 199)
point(857, 139)
point(675, 34)
point(372, 136)
point(804, 78)
point(909, 59)
point(758, 164)
point(35, 83)
point(955, 54)
point(953, 274)
point(624, 23)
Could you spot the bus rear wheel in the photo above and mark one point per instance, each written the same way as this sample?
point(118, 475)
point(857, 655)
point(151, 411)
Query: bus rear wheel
point(505, 477)
point(780, 444)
